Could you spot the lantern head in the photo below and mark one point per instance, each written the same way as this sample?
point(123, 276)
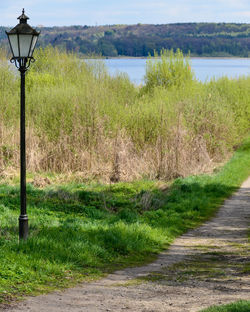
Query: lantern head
point(22, 40)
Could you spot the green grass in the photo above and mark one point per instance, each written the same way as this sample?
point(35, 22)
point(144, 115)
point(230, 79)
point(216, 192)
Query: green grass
point(239, 306)
point(82, 231)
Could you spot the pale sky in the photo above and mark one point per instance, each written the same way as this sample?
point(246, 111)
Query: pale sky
point(109, 12)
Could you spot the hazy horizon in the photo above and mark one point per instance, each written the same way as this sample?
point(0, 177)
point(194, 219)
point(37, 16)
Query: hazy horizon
point(105, 25)
point(97, 13)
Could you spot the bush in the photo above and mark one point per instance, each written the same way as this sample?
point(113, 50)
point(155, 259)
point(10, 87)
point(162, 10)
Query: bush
point(172, 69)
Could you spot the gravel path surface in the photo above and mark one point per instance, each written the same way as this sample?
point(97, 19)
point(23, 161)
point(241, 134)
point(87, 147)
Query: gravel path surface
point(208, 265)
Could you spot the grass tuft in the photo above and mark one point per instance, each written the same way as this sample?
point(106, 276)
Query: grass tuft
point(239, 306)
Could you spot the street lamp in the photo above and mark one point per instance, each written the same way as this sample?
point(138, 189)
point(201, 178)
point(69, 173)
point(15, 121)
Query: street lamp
point(22, 40)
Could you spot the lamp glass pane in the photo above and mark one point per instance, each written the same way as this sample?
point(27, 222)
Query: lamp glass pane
point(25, 43)
point(33, 44)
point(14, 45)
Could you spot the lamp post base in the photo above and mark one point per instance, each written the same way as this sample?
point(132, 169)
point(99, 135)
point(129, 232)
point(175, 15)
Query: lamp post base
point(23, 227)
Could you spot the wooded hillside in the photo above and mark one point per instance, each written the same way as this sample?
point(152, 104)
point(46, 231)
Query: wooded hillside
point(201, 39)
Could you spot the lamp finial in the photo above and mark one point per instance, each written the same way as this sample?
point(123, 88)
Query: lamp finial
point(23, 18)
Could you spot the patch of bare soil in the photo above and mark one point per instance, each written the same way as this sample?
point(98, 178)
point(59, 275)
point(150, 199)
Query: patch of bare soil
point(206, 266)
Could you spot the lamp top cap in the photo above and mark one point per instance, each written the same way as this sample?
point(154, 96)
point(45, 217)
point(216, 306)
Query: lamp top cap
point(23, 18)
point(23, 27)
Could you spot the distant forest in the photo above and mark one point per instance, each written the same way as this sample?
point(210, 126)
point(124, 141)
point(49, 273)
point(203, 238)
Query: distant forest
point(200, 39)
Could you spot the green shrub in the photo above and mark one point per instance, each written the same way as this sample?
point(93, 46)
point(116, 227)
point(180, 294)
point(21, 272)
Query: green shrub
point(171, 70)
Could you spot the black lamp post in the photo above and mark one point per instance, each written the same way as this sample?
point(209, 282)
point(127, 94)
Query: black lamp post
point(22, 40)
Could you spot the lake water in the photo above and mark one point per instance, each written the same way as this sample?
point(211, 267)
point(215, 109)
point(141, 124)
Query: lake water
point(204, 68)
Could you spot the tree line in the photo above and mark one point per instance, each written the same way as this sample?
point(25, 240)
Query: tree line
point(198, 39)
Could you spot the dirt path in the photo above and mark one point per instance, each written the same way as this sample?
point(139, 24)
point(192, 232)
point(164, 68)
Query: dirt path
point(209, 265)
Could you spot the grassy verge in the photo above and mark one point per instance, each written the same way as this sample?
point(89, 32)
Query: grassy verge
point(80, 231)
point(239, 306)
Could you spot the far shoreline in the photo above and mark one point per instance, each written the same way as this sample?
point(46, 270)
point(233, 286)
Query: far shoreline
point(191, 57)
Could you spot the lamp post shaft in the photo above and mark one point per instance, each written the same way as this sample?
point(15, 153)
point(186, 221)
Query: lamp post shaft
point(22, 39)
point(23, 218)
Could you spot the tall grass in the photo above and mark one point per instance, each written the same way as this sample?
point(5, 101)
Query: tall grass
point(82, 120)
